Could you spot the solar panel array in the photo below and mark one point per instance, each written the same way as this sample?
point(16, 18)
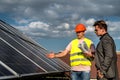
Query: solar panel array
point(21, 56)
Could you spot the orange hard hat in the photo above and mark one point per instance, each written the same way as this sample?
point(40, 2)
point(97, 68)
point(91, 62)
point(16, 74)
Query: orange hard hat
point(80, 27)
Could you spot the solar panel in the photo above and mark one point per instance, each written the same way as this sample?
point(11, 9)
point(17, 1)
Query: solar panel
point(4, 71)
point(20, 55)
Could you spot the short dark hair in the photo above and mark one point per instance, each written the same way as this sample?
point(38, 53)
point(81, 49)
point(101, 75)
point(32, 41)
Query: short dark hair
point(101, 24)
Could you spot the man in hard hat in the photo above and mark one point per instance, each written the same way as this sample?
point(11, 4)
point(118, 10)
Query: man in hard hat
point(81, 51)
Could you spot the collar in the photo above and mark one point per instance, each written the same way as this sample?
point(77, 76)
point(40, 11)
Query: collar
point(103, 35)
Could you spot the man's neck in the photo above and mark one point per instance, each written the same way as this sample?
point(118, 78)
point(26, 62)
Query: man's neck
point(81, 38)
point(103, 33)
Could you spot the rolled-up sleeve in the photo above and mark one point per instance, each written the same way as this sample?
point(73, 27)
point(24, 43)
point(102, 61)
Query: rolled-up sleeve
point(68, 47)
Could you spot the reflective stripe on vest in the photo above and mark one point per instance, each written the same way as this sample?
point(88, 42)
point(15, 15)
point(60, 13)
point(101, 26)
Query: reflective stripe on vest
point(76, 55)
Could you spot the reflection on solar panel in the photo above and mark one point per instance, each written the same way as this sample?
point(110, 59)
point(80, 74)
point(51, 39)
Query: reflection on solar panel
point(21, 56)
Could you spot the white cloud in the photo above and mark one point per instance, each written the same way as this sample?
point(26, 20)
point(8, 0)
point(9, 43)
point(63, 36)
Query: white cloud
point(23, 21)
point(39, 25)
point(51, 14)
point(42, 29)
point(90, 29)
point(90, 21)
point(75, 16)
point(38, 34)
point(66, 25)
point(63, 26)
point(28, 11)
point(33, 16)
point(113, 26)
point(89, 24)
point(56, 31)
point(56, 6)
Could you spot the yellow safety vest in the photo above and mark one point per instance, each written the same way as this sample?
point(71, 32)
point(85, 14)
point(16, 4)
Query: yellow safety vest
point(76, 55)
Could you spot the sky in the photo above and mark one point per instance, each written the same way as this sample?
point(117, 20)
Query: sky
point(51, 23)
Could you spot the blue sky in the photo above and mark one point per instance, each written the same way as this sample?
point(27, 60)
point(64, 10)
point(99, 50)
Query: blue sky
point(51, 22)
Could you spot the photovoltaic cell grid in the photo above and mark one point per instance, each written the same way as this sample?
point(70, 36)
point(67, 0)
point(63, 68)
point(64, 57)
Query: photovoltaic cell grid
point(20, 55)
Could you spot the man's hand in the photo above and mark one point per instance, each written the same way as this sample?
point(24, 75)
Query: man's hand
point(50, 55)
point(100, 75)
point(88, 54)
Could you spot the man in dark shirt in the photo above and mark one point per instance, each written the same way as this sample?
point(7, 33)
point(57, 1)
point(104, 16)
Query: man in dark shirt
point(105, 56)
